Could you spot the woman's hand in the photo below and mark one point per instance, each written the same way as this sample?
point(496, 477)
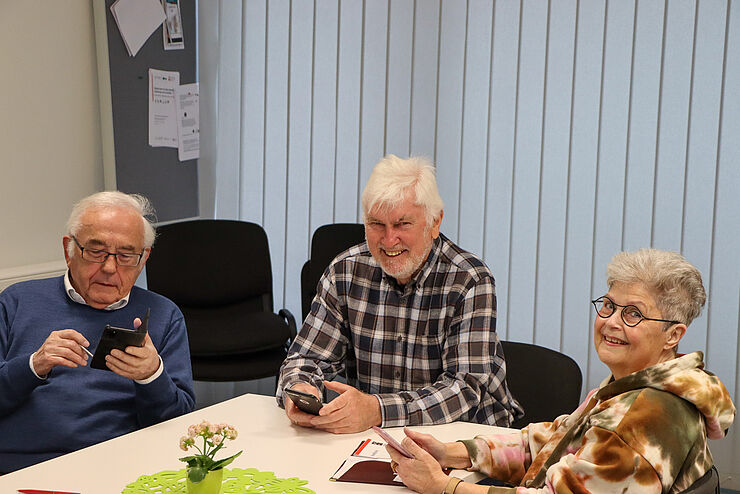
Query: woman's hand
point(422, 473)
point(448, 455)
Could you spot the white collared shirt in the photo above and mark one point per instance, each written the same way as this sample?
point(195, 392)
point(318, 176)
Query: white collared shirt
point(76, 297)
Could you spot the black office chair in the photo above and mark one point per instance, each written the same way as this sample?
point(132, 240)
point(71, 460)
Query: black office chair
point(545, 382)
point(706, 484)
point(219, 273)
point(326, 243)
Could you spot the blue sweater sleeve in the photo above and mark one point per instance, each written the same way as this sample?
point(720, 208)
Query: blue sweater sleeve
point(171, 394)
point(17, 381)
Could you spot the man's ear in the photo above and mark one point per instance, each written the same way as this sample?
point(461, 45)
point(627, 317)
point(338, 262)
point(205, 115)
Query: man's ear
point(436, 223)
point(65, 244)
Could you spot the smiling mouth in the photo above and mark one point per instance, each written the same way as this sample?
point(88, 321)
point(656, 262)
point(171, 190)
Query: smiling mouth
point(613, 341)
point(393, 253)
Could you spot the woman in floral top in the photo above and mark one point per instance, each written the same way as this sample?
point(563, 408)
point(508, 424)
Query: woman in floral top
point(644, 430)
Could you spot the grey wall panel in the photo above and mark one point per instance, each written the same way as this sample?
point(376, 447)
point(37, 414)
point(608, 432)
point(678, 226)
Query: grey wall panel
point(252, 111)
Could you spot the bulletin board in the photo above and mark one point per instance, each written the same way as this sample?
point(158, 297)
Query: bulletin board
point(130, 164)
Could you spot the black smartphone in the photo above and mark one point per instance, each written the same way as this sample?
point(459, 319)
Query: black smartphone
point(305, 401)
point(120, 338)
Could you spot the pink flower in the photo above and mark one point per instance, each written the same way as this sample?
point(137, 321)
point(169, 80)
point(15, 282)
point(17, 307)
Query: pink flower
point(217, 439)
point(184, 443)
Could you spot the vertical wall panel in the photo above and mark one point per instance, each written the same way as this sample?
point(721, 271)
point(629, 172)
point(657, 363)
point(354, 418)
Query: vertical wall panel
point(229, 92)
point(577, 290)
point(613, 123)
point(451, 71)
point(374, 81)
point(276, 137)
point(527, 166)
point(424, 80)
point(500, 172)
point(475, 122)
point(323, 116)
point(701, 164)
point(643, 124)
point(349, 86)
point(400, 60)
point(554, 185)
point(300, 118)
point(673, 124)
point(252, 112)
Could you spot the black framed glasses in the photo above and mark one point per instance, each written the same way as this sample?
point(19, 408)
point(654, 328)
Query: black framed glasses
point(100, 256)
point(631, 315)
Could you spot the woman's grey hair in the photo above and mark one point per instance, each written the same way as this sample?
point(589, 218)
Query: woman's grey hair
point(113, 199)
point(393, 177)
point(675, 282)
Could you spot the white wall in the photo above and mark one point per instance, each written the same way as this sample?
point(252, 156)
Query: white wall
point(49, 126)
point(564, 131)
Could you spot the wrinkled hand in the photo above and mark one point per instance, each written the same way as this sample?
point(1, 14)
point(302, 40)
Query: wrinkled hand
point(422, 473)
point(448, 455)
point(136, 362)
point(295, 414)
point(60, 348)
point(351, 411)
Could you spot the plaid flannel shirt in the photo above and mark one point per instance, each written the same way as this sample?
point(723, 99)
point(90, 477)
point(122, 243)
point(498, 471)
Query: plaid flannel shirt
point(427, 350)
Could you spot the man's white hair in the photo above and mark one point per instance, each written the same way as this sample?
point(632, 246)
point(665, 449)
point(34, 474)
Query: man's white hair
point(393, 178)
point(113, 199)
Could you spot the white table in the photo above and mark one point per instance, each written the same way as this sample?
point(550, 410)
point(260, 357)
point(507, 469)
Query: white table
point(269, 441)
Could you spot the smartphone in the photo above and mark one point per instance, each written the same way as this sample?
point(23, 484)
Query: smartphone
point(389, 439)
point(120, 338)
point(305, 401)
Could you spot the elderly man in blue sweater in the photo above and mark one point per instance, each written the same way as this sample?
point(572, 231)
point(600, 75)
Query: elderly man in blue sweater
point(51, 401)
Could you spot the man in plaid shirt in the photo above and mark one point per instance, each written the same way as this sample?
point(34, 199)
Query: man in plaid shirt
point(408, 315)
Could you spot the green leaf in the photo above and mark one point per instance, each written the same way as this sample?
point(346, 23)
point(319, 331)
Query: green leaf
point(197, 474)
point(224, 462)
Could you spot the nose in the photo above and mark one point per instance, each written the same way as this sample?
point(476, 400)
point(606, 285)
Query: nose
point(109, 265)
point(390, 237)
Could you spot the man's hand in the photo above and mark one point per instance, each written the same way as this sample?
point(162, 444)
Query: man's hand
point(295, 414)
point(136, 362)
point(60, 348)
point(351, 411)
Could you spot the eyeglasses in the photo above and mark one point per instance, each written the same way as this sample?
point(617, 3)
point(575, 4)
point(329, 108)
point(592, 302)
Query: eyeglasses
point(631, 315)
point(100, 256)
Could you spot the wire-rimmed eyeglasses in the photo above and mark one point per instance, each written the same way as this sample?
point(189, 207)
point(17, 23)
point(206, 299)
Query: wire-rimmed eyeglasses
point(631, 315)
point(100, 255)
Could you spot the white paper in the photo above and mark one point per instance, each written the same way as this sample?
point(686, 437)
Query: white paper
point(172, 36)
point(137, 20)
point(162, 111)
point(188, 121)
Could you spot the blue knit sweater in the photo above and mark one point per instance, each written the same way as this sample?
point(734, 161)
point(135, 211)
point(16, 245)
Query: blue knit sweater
point(76, 407)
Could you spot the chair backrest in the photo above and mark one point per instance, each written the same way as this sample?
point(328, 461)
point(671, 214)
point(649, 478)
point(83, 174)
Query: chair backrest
point(327, 242)
point(207, 263)
point(706, 484)
point(218, 272)
point(545, 382)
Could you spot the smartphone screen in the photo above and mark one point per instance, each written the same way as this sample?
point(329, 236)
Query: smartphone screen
point(389, 439)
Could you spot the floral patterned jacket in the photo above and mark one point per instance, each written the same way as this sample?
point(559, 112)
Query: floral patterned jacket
point(644, 433)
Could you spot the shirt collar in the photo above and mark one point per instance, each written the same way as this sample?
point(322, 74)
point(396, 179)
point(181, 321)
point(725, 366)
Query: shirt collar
point(76, 297)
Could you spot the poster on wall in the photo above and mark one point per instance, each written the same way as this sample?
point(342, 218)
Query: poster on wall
point(172, 35)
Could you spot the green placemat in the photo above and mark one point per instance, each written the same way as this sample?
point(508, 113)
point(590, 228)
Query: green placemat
point(236, 480)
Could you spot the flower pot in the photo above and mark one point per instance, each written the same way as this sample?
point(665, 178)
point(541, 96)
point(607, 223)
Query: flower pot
point(211, 484)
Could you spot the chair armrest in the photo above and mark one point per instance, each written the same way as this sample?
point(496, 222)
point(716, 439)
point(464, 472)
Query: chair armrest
point(288, 316)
